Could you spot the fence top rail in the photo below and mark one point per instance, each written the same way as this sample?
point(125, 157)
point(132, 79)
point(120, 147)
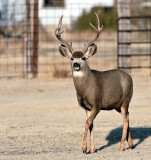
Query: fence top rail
point(135, 30)
point(134, 17)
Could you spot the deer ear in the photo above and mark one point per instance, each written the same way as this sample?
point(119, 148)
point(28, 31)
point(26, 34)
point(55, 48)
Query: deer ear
point(64, 51)
point(91, 50)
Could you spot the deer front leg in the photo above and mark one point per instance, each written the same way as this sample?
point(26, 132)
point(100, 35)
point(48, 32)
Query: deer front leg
point(84, 142)
point(92, 147)
point(89, 125)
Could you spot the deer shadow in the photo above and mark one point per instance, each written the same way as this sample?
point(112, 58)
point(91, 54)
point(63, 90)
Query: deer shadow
point(114, 136)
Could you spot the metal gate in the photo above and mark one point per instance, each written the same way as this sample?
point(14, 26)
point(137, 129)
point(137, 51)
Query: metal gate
point(140, 43)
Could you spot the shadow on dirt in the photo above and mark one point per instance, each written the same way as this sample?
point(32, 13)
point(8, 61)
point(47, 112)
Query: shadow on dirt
point(139, 133)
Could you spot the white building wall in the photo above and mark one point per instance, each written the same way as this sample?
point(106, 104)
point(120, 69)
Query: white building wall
point(14, 11)
point(72, 9)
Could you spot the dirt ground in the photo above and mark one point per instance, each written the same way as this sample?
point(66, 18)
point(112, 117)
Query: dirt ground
point(41, 120)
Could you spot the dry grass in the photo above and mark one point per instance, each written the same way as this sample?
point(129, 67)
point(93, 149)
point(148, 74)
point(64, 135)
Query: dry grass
point(59, 72)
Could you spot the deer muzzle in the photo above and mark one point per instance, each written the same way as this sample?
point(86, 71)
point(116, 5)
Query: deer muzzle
point(76, 66)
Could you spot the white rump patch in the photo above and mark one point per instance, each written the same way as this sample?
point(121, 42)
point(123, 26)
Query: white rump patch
point(78, 74)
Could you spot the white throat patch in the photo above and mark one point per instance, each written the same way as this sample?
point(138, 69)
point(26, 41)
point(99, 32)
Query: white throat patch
point(78, 74)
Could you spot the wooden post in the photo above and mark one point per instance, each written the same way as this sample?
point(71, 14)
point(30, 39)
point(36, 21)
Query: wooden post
point(32, 38)
point(123, 9)
point(35, 39)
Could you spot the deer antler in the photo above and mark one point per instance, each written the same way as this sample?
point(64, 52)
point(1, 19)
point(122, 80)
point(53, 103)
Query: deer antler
point(98, 31)
point(58, 33)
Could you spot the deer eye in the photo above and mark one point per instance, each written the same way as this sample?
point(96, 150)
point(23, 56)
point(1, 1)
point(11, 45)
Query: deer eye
point(72, 59)
point(83, 58)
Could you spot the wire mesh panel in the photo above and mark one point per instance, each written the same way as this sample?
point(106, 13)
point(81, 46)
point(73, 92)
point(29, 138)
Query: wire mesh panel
point(17, 56)
point(12, 44)
point(50, 59)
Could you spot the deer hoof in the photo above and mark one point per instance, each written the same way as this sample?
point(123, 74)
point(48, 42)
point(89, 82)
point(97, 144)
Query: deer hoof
point(84, 148)
point(92, 150)
point(130, 144)
point(84, 152)
point(121, 149)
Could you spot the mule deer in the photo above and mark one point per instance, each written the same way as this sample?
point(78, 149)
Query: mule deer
point(97, 90)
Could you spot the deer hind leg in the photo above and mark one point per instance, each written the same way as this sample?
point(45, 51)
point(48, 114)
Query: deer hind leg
point(126, 131)
point(125, 128)
point(89, 125)
point(129, 139)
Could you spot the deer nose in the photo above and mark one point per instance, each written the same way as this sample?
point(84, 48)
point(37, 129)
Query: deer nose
point(76, 66)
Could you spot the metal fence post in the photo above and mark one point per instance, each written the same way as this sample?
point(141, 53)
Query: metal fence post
point(124, 47)
point(32, 38)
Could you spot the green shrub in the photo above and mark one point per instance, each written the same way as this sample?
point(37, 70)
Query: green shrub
point(107, 16)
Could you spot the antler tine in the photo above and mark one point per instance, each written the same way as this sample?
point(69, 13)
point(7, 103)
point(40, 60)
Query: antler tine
point(58, 29)
point(60, 21)
point(98, 21)
point(98, 31)
point(58, 33)
point(93, 26)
